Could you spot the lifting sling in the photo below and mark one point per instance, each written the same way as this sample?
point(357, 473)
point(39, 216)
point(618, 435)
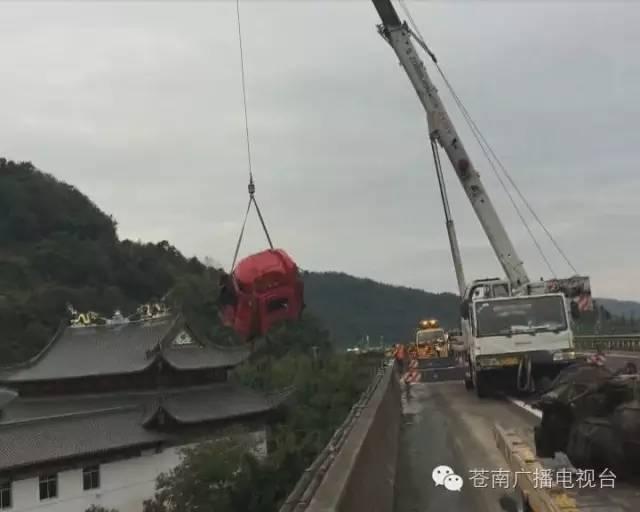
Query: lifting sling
point(264, 288)
point(252, 200)
point(251, 187)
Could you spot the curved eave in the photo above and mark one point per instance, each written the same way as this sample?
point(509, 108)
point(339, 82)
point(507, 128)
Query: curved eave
point(199, 364)
point(6, 397)
point(152, 420)
point(33, 360)
point(27, 442)
point(51, 378)
point(219, 403)
point(199, 355)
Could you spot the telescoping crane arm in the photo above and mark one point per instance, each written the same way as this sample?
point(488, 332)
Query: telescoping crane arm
point(441, 129)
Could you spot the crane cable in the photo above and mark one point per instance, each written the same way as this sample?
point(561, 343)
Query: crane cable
point(489, 150)
point(251, 187)
point(486, 152)
point(420, 40)
point(418, 37)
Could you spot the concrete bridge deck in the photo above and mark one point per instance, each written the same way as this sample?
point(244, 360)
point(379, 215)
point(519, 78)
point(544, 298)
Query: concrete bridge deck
point(444, 424)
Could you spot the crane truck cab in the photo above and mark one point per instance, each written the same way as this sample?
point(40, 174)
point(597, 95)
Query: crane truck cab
point(515, 339)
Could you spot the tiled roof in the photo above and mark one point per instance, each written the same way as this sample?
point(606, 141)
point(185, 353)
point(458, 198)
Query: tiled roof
point(212, 403)
point(101, 350)
point(120, 349)
point(52, 439)
point(6, 397)
point(34, 430)
point(208, 356)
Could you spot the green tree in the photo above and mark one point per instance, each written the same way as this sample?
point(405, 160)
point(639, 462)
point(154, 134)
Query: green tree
point(99, 508)
point(223, 476)
point(207, 479)
point(59, 248)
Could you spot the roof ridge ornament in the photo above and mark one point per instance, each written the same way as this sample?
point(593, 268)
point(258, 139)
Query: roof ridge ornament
point(88, 319)
point(152, 310)
point(146, 311)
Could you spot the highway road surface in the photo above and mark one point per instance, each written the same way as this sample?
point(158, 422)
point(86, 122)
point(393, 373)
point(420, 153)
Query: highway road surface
point(444, 424)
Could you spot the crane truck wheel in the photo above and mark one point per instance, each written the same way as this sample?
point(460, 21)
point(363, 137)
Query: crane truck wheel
point(480, 384)
point(468, 379)
point(468, 383)
point(481, 389)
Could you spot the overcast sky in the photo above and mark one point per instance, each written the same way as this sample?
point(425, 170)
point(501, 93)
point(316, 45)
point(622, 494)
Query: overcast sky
point(139, 105)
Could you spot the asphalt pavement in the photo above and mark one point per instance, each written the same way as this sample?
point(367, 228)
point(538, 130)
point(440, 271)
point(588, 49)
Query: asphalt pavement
point(444, 424)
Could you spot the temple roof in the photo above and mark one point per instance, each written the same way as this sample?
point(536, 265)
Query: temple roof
point(6, 396)
point(37, 430)
point(53, 439)
point(123, 348)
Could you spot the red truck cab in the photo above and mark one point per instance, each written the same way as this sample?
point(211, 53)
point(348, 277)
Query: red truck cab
point(264, 289)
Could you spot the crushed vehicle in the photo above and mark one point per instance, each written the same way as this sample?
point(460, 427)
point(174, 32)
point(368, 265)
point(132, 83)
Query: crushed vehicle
point(592, 414)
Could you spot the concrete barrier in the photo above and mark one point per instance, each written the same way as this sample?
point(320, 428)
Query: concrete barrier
point(361, 477)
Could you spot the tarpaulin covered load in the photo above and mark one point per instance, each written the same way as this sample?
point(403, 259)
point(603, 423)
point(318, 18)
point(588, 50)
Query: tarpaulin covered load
point(592, 414)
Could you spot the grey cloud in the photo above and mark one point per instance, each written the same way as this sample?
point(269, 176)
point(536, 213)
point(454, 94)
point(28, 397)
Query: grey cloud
point(139, 105)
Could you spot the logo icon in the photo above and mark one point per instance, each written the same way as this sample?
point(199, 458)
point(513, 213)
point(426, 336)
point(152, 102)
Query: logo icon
point(440, 473)
point(445, 476)
point(453, 483)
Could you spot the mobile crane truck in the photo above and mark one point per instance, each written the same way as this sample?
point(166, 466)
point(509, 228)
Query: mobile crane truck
point(516, 332)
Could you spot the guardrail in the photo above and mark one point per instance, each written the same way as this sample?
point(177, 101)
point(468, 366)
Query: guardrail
point(609, 342)
point(299, 499)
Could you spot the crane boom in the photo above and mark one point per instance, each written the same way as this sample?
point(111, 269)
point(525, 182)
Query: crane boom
point(441, 129)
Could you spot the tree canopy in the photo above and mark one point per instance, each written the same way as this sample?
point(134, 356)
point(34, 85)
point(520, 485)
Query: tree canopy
point(226, 475)
point(58, 247)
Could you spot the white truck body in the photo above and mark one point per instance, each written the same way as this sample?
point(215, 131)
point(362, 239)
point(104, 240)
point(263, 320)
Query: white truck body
point(522, 342)
point(516, 325)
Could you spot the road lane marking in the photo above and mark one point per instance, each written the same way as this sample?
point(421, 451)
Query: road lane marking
point(537, 413)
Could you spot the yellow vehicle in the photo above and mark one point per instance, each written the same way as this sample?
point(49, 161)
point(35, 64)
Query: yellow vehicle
point(431, 340)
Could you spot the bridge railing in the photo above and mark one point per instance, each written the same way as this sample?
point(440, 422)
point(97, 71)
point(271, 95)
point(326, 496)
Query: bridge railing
point(344, 471)
point(609, 342)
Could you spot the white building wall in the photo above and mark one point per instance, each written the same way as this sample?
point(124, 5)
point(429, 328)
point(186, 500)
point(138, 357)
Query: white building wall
point(124, 484)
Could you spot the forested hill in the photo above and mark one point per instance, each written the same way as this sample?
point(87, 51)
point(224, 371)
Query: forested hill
point(627, 308)
point(57, 248)
point(354, 307)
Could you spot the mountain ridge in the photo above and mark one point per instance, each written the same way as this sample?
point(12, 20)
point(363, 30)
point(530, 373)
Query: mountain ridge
point(59, 248)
